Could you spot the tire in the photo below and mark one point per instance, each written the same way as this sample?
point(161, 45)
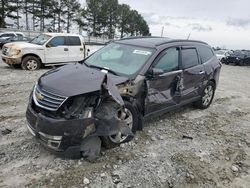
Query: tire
point(207, 96)
point(109, 141)
point(31, 63)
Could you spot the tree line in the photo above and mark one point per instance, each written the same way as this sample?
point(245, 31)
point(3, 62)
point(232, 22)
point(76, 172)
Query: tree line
point(99, 17)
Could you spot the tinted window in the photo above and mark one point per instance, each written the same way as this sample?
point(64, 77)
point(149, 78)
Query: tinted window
point(189, 58)
point(57, 41)
point(74, 41)
point(169, 61)
point(7, 35)
point(206, 53)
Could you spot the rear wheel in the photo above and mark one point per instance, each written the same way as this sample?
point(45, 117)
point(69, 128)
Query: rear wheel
point(207, 96)
point(131, 120)
point(31, 63)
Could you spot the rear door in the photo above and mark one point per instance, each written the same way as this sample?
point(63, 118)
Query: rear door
point(76, 50)
point(193, 73)
point(163, 89)
point(56, 50)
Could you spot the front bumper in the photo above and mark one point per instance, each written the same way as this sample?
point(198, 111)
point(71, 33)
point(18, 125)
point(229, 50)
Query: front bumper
point(61, 136)
point(11, 60)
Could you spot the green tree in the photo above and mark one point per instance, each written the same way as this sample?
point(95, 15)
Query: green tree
point(123, 19)
point(94, 16)
point(6, 11)
point(110, 15)
point(72, 8)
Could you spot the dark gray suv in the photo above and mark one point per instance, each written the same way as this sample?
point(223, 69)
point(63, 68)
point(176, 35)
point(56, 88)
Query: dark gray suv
point(103, 100)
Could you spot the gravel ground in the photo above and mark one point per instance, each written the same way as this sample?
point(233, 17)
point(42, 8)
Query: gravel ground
point(214, 152)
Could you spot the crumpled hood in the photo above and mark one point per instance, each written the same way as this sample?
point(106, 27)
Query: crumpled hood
point(75, 79)
point(22, 45)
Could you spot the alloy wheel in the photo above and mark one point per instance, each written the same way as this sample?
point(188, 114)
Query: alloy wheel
point(119, 137)
point(208, 95)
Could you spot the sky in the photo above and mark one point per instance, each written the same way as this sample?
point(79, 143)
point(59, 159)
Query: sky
point(223, 23)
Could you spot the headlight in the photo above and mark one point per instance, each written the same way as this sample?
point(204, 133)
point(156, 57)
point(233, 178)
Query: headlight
point(14, 51)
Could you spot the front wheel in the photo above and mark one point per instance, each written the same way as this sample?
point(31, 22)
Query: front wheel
point(31, 63)
point(131, 119)
point(207, 96)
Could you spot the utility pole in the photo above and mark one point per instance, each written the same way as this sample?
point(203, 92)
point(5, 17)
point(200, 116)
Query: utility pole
point(162, 31)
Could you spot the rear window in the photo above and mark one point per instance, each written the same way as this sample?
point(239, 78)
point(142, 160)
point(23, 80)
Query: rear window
point(74, 41)
point(205, 53)
point(189, 58)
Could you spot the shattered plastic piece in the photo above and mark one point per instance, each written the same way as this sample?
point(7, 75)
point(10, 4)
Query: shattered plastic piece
point(6, 131)
point(187, 137)
point(112, 90)
point(91, 148)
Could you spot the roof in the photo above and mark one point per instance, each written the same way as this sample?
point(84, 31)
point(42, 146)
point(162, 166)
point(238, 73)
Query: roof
point(61, 34)
point(153, 42)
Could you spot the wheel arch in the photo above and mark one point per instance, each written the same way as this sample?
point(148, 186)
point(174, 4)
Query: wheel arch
point(32, 54)
point(213, 80)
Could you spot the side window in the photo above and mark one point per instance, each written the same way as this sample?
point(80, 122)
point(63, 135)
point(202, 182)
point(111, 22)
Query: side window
point(205, 53)
point(20, 37)
point(6, 35)
point(57, 41)
point(189, 58)
point(74, 41)
point(169, 61)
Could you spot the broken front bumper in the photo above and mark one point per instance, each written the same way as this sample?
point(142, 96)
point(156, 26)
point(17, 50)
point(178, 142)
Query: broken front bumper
point(60, 136)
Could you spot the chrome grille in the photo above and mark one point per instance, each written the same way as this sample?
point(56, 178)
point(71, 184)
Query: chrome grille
point(47, 100)
point(5, 51)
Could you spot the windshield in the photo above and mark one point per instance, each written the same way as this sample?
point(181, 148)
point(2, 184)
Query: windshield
point(40, 39)
point(119, 58)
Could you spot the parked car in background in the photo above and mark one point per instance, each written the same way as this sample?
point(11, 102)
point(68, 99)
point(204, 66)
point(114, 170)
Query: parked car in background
point(18, 38)
point(105, 97)
point(7, 35)
point(222, 54)
point(45, 49)
point(238, 57)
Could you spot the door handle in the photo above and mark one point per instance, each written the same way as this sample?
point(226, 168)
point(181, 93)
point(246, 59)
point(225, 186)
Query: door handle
point(201, 72)
point(81, 49)
point(66, 49)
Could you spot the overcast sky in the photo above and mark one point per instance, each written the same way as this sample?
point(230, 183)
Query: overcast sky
point(218, 22)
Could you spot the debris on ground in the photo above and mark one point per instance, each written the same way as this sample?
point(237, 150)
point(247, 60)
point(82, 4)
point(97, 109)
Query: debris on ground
point(218, 156)
point(6, 131)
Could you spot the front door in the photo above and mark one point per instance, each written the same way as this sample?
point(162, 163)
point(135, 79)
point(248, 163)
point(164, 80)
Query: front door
point(162, 89)
point(56, 50)
point(193, 73)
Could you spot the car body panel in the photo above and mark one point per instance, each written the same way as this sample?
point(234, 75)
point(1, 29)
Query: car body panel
point(149, 95)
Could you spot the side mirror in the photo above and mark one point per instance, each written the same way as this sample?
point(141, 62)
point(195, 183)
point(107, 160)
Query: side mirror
point(48, 45)
point(155, 72)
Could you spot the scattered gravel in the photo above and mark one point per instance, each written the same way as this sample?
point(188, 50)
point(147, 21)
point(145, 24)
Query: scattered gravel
point(218, 155)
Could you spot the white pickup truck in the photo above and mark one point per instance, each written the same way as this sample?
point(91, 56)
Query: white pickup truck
point(45, 49)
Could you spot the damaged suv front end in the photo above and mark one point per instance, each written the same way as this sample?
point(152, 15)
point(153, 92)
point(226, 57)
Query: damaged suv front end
point(104, 99)
point(75, 108)
point(72, 125)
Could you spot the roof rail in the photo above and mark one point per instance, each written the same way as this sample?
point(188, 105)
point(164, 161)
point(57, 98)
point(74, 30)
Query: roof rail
point(139, 37)
point(181, 40)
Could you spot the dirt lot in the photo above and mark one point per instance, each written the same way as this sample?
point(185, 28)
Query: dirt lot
point(218, 155)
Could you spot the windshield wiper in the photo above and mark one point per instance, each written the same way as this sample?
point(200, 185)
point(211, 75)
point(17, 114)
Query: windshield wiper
point(102, 68)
